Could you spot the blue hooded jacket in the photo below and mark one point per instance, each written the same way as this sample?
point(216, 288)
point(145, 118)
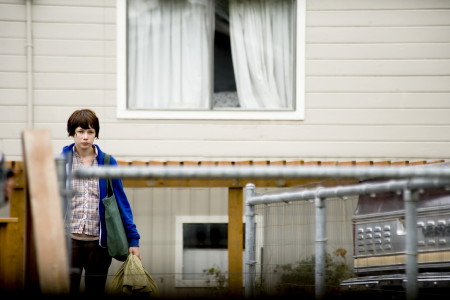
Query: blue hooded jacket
point(121, 198)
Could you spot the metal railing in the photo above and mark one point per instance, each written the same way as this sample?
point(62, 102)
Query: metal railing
point(239, 172)
point(410, 179)
point(409, 187)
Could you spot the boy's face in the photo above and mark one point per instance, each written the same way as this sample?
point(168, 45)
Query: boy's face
point(84, 138)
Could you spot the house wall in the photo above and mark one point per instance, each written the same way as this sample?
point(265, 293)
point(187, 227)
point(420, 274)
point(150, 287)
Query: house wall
point(285, 232)
point(377, 86)
point(155, 211)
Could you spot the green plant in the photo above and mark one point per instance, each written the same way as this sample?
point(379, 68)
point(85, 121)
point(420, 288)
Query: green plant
point(220, 280)
point(299, 278)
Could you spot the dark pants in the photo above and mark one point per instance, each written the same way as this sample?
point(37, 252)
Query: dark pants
point(95, 261)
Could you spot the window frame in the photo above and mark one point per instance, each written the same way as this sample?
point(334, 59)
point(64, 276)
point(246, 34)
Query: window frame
point(220, 114)
point(180, 220)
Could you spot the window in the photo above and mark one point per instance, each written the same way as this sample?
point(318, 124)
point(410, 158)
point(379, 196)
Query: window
point(202, 243)
point(210, 59)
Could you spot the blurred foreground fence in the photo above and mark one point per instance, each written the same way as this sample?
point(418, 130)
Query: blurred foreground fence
point(408, 180)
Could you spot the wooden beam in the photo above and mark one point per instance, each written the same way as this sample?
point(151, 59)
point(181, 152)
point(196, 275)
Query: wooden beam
point(235, 183)
point(235, 241)
point(45, 215)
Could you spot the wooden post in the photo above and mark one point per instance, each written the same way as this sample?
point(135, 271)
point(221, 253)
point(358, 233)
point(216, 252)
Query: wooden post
point(235, 241)
point(12, 232)
point(45, 215)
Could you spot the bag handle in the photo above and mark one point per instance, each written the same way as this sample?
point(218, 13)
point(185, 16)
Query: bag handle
point(109, 189)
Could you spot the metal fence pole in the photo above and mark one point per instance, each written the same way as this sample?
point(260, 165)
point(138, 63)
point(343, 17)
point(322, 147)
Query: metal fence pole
point(320, 247)
point(250, 242)
point(66, 192)
point(62, 177)
point(410, 198)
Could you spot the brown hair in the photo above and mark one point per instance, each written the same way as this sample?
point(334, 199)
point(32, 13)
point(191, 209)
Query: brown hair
point(84, 118)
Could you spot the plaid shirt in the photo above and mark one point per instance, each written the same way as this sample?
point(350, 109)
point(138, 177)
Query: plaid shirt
point(85, 218)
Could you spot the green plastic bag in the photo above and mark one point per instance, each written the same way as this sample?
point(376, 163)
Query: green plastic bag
point(132, 280)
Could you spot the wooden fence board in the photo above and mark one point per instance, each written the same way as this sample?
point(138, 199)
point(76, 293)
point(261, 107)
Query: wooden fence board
point(45, 213)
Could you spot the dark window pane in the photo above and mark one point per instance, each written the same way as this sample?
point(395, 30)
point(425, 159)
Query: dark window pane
point(225, 94)
point(205, 236)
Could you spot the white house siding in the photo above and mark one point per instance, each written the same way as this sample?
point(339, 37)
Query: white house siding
point(377, 88)
point(154, 213)
point(287, 236)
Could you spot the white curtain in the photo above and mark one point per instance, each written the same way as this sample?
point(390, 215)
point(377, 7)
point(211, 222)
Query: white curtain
point(169, 54)
point(261, 34)
point(170, 59)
